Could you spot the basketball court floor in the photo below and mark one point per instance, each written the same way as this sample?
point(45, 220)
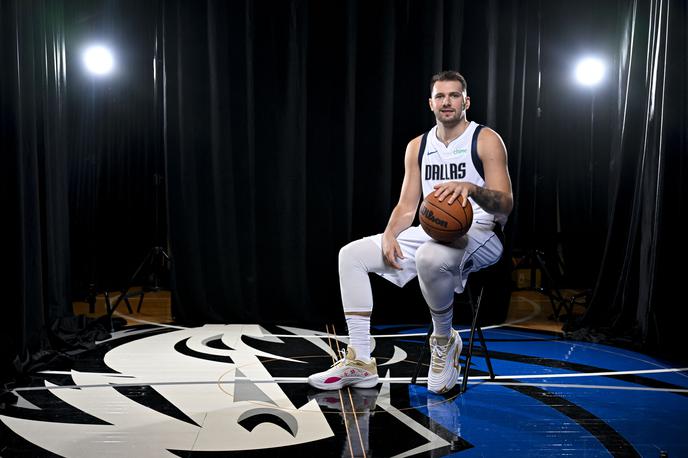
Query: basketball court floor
point(158, 389)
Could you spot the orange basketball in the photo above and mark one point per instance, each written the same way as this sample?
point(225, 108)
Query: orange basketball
point(444, 222)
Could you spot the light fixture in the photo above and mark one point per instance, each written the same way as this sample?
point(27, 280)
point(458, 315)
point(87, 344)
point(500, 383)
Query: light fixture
point(590, 71)
point(98, 60)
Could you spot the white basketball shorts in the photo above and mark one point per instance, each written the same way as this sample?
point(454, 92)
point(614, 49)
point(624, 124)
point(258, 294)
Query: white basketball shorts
point(482, 250)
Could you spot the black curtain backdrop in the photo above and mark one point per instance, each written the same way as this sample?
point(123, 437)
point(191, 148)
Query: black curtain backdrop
point(78, 158)
point(286, 128)
point(280, 128)
point(34, 175)
point(639, 293)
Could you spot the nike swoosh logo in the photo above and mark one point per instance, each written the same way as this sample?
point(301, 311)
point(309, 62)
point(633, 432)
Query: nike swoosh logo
point(431, 152)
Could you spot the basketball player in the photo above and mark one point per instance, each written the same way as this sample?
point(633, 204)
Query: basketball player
point(456, 157)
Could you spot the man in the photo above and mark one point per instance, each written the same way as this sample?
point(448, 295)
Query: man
point(400, 253)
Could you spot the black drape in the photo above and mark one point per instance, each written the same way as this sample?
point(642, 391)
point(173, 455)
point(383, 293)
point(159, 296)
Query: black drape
point(34, 184)
point(638, 292)
point(78, 161)
point(286, 128)
point(280, 127)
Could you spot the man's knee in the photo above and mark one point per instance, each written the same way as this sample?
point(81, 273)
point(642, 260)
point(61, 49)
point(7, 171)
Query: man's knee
point(351, 254)
point(433, 257)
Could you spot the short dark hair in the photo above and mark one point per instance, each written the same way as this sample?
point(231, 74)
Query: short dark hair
point(448, 75)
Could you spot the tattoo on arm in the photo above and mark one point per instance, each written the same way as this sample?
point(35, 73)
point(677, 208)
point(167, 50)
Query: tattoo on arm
point(492, 201)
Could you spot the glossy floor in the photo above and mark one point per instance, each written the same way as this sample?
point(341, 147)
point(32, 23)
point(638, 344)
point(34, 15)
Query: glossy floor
point(239, 390)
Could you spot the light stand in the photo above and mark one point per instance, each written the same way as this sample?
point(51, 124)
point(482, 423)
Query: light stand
point(589, 72)
point(96, 70)
point(157, 261)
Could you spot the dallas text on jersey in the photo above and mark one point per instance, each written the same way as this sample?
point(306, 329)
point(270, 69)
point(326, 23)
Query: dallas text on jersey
point(445, 171)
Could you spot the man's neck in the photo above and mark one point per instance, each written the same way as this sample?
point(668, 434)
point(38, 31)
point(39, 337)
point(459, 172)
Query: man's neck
point(447, 134)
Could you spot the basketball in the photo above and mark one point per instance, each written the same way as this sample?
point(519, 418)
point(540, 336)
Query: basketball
point(444, 222)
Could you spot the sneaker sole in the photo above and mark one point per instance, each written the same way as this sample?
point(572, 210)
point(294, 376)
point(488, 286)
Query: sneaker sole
point(366, 382)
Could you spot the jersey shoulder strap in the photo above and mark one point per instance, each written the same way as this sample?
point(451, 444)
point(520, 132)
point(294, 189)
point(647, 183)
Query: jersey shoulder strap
point(421, 151)
point(477, 163)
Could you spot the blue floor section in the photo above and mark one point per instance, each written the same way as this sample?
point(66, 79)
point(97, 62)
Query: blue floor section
point(637, 414)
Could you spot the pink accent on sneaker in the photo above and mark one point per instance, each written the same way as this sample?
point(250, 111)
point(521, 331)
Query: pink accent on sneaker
point(332, 379)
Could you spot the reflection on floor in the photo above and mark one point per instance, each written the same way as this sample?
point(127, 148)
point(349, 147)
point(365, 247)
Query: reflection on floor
point(239, 390)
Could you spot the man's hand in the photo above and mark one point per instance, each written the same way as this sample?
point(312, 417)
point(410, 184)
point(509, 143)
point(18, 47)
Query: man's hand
point(454, 189)
point(391, 251)
point(491, 200)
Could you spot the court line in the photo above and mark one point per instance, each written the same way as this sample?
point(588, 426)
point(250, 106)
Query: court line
point(601, 387)
point(478, 377)
point(586, 374)
point(598, 347)
point(407, 380)
point(434, 440)
point(395, 380)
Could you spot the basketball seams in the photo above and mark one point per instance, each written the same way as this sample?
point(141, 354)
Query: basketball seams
point(443, 212)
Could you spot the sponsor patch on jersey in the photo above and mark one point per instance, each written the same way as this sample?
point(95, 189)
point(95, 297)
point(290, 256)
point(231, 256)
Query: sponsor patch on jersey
point(459, 151)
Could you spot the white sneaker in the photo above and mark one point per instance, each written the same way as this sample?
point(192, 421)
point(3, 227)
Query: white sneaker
point(444, 363)
point(348, 371)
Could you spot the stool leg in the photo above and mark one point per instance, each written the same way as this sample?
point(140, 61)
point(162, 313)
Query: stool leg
point(422, 355)
point(464, 381)
point(486, 353)
point(476, 309)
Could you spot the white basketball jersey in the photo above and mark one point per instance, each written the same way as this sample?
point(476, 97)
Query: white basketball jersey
point(458, 161)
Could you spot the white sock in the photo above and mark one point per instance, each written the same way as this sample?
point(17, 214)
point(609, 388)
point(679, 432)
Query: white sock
point(442, 321)
point(359, 336)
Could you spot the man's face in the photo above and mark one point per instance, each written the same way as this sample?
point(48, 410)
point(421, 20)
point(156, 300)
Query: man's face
point(449, 102)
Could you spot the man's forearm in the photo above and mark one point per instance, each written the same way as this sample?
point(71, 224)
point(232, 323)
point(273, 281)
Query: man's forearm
point(493, 201)
point(399, 220)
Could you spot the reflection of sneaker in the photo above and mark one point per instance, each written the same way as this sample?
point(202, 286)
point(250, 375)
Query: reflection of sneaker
point(444, 363)
point(444, 412)
point(364, 400)
point(348, 371)
point(356, 418)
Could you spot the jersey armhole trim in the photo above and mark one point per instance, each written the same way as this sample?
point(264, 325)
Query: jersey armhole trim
point(474, 152)
point(421, 151)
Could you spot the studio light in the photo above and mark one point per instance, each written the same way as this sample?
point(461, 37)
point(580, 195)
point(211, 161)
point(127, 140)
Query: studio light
point(590, 71)
point(98, 60)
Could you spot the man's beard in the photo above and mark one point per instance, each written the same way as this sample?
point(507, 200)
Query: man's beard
point(450, 122)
